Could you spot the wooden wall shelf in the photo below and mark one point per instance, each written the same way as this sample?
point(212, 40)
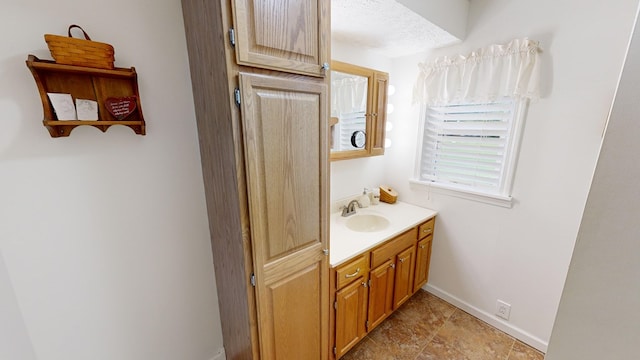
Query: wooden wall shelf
point(85, 83)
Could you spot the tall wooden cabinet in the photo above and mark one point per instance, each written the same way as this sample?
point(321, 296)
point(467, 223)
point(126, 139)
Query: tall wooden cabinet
point(261, 104)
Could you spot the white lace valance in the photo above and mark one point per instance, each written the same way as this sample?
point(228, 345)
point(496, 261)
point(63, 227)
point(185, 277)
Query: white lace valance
point(486, 74)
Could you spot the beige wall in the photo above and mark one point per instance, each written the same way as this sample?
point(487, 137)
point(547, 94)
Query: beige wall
point(104, 242)
point(598, 315)
point(521, 255)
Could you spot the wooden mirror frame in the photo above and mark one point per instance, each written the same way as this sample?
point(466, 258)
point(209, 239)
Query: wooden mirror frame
point(376, 114)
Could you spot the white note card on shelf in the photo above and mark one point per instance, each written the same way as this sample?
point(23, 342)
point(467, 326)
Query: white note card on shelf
point(87, 109)
point(63, 106)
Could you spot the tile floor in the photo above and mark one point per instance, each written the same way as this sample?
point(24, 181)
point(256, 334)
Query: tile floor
point(428, 328)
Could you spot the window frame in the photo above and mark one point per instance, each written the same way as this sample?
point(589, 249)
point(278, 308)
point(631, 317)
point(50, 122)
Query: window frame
point(502, 198)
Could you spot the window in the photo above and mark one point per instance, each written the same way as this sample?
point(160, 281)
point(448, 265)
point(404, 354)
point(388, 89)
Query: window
point(471, 147)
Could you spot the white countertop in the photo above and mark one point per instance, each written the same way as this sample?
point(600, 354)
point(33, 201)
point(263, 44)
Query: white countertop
point(346, 243)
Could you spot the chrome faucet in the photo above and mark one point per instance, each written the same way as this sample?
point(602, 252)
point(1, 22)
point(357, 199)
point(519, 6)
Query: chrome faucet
point(351, 208)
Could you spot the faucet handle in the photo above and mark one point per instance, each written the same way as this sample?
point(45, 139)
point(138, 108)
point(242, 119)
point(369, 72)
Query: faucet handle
point(345, 210)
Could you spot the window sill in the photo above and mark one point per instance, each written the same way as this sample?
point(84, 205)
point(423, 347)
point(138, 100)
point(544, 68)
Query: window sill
point(498, 200)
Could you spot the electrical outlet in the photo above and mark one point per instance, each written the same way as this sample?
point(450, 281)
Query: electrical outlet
point(503, 309)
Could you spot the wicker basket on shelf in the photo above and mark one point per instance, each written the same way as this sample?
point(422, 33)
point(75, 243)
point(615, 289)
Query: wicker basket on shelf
point(68, 50)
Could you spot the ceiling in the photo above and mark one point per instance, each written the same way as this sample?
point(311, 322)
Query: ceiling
point(385, 26)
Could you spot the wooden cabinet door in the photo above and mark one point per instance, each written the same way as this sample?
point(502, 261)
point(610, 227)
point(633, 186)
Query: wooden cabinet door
point(351, 316)
point(379, 112)
point(380, 293)
point(405, 267)
point(285, 35)
point(285, 131)
point(423, 258)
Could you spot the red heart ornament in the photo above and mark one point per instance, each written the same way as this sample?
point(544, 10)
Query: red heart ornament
point(120, 107)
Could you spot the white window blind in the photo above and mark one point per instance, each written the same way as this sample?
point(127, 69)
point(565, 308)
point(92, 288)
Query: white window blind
point(348, 124)
point(470, 146)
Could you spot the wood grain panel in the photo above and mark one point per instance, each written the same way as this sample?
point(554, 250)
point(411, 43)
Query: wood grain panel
point(294, 302)
point(379, 118)
point(291, 186)
point(423, 259)
point(282, 34)
point(405, 268)
point(380, 294)
point(294, 29)
point(426, 229)
point(284, 122)
point(222, 168)
point(353, 270)
point(389, 250)
point(351, 315)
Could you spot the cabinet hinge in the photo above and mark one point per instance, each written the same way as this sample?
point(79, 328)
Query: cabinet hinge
point(335, 305)
point(367, 324)
point(335, 350)
point(369, 282)
point(236, 95)
point(253, 279)
point(232, 37)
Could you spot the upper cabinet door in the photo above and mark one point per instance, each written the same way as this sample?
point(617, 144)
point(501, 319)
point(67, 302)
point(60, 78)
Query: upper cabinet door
point(285, 35)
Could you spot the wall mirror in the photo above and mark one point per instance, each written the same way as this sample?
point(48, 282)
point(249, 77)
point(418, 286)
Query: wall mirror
point(358, 111)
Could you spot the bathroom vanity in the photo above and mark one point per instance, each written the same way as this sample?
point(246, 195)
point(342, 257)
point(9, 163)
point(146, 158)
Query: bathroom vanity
point(379, 258)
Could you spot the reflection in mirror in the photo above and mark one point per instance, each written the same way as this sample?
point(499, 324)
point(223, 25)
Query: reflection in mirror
point(358, 111)
point(349, 106)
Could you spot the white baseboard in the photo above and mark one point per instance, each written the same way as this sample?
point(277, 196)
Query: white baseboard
point(490, 319)
point(220, 355)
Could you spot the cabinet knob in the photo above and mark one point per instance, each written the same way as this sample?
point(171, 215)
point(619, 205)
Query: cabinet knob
point(393, 266)
point(401, 260)
point(422, 246)
point(325, 66)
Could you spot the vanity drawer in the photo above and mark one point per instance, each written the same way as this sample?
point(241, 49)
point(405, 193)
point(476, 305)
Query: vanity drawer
point(352, 270)
point(393, 247)
point(426, 228)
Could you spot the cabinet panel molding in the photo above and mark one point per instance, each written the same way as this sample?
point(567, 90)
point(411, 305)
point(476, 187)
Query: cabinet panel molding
point(403, 285)
point(380, 293)
point(283, 137)
point(423, 259)
point(351, 313)
point(290, 36)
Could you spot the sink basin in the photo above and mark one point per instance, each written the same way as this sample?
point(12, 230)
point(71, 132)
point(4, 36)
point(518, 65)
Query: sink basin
point(367, 223)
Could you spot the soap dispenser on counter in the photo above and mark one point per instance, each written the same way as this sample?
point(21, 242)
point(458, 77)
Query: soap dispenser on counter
point(374, 196)
point(364, 199)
